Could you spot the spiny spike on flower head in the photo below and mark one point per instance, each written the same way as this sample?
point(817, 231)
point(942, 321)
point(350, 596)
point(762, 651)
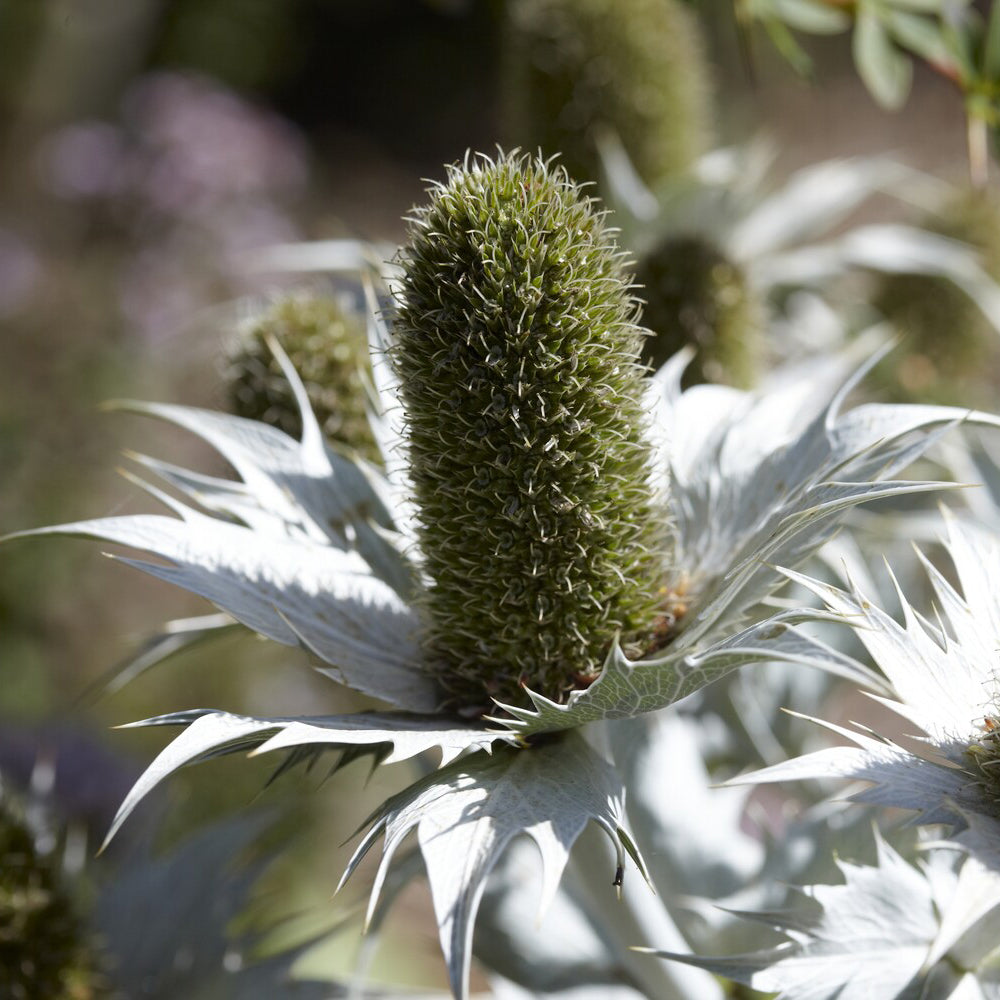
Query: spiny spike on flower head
point(327, 347)
point(517, 345)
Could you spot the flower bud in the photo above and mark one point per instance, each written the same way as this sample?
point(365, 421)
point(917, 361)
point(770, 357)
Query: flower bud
point(327, 347)
point(695, 295)
point(949, 351)
point(635, 66)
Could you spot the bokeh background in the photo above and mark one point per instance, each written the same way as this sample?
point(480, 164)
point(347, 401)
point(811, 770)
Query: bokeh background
point(146, 150)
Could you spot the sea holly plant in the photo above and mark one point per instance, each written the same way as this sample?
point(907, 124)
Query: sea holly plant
point(725, 252)
point(553, 539)
point(945, 680)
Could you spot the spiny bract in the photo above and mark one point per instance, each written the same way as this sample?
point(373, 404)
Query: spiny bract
point(516, 346)
point(638, 67)
point(326, 344)
point(695, 295)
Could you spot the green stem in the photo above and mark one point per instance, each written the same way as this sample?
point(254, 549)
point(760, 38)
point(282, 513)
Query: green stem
point(979, 157)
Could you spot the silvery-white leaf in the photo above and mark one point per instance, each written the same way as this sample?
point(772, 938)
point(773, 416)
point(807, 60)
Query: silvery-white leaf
point(209, 733)
point(898, 777)
point(324, 256)
point(892, 249)
point(580, 939)
point(227, 498)
point(690, 831)
point(504, 989)
point(304, 484)
point(943, 679)
point(466, 815)
point(970, 923)
point(294, 592)
point(749, 493)
point(176, 636)
point(981, 838)
point(939, 684)
point(892, 931)
point(543, 956)
point(869, 938)
point(811, 201)
point(622, 180)
point(626, 688)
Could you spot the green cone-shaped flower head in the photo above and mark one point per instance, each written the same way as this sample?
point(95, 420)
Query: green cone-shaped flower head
point(695, 295)
point(327, 346)
point(636, 66)
point(43, 946)
point(517, 350)
point(949, 354)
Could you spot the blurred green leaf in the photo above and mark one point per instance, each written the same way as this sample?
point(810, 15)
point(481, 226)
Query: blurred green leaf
point(885, 70)
point(991, 46)
point(808, 15)
point(921, 6)
point(920, 35)
point(784, 41)
point(959, 45)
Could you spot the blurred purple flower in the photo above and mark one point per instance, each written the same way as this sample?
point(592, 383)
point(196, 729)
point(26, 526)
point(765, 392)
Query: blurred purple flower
point(198, 144)
point(20, 272)
point(84, 160)
point(191, 178)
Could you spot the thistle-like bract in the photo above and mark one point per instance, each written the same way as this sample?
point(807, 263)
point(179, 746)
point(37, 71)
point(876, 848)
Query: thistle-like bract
point(326, 345)
point(695, 295)
point(949, 345)
point(637, 67)
point(517, 345)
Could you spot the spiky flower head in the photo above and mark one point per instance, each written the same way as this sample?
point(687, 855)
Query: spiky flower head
point(43, 946)
point(637, 67)
point(949, 350)
point(326, 343)
point(984, 757)
point(696, 295)
point(517, 345)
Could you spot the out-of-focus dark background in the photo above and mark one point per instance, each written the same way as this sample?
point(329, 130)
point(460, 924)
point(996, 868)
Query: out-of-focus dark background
point(146, 149)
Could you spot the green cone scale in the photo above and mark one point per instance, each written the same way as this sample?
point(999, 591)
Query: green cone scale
point(696, 296)
point(517, 346)
point(635, 66)
point(327, 347)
